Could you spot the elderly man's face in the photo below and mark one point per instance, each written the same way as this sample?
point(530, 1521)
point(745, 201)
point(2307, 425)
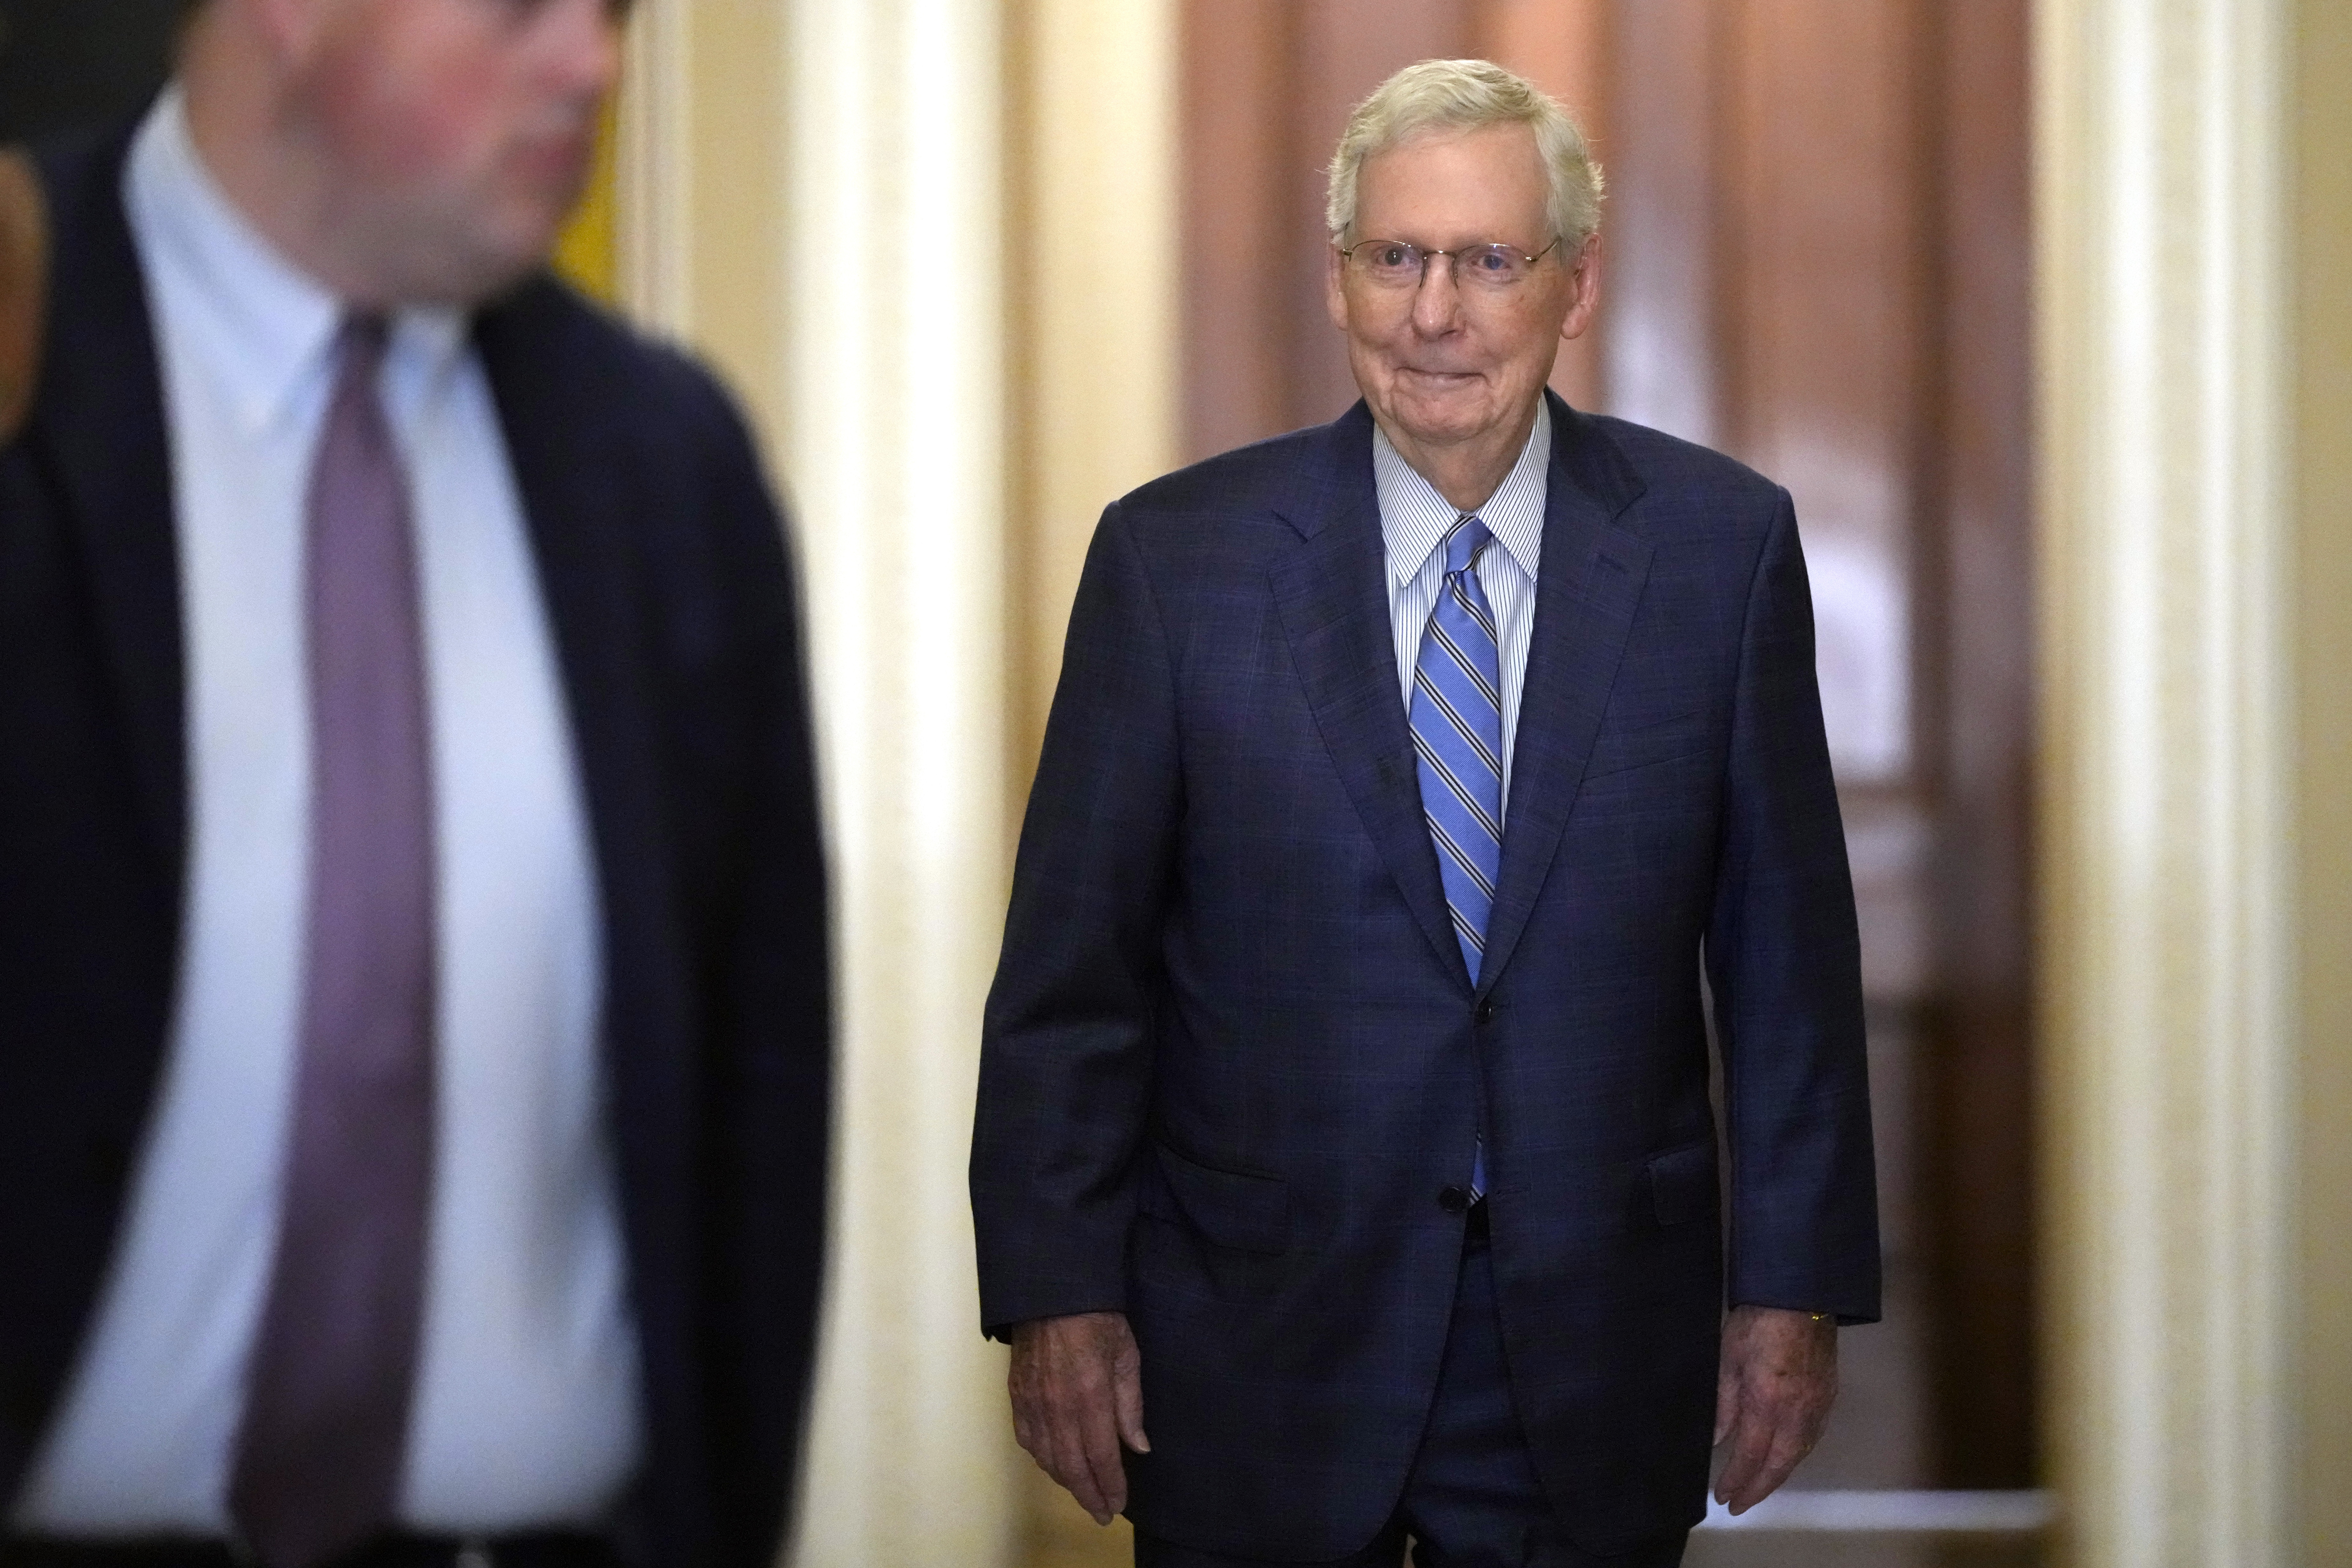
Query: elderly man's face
point(1452, 360)
point(461, 131)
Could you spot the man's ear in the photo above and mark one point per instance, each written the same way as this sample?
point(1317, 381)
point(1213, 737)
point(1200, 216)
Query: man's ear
point(1335, 297)
point(1584, 285)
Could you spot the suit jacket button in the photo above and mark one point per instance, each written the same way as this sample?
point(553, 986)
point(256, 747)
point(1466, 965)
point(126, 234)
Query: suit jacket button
point(1453, 1200)
point(1485, 1015)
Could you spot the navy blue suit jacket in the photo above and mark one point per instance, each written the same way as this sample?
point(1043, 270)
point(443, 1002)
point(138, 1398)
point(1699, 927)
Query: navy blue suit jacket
point(1233, 1054)
point(661, 560)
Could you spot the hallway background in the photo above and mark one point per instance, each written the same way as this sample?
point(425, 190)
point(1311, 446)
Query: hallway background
point(2038, 310)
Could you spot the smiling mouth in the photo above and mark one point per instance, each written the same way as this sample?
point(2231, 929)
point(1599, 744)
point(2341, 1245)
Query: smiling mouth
point(1443, 377)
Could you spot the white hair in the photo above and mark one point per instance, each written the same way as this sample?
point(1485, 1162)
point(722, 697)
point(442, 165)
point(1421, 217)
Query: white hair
point(1469, 95)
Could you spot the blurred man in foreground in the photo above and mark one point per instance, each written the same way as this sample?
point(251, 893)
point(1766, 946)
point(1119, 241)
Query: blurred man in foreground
point(1344, 1122)
point(413, 1005)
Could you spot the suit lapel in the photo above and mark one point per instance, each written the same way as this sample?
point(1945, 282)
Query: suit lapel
point(1334, 603)
point(1587, 588)
point(97, 420)
point(567, 471)
point(565, 440)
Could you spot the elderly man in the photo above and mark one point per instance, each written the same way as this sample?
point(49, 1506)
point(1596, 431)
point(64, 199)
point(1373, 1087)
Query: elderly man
point(414, 1072)
point(1344, 1117)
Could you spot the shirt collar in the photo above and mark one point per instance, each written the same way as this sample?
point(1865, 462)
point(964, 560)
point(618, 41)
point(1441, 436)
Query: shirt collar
point(266, 326)
point(1415, 518)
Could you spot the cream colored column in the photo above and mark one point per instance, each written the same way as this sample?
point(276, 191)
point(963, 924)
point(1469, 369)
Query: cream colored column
point(1094, 289)
point(814, 202)
point(890, 268)
point(1093, 174)
point(2167, 952)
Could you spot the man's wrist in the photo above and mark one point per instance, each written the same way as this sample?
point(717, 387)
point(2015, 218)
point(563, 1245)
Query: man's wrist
point(1030, 1326)
point(1805, 1312)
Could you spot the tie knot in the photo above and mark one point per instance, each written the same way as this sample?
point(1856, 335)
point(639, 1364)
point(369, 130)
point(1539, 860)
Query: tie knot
point(1468, 537)
point(361, 343)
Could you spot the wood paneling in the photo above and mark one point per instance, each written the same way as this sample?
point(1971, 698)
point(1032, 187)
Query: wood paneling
point(1822, 266)
point(1977, 664)
point(1818, 289)
point(1661, 362)
point(1240, 322)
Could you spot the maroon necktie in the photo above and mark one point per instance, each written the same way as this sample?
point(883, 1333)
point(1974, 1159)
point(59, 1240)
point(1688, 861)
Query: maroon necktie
point(318, 1457)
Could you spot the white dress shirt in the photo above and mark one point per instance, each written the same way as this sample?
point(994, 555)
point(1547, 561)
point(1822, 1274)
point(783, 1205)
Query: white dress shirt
point(527, 1405)
point(1414, 521)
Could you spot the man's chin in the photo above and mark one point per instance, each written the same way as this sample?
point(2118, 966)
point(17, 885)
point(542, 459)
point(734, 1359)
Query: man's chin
point(465, 279)
point(503, 255)
point(1443, 422)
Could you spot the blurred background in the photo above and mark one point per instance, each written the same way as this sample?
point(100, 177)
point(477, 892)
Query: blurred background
point(2039, 309)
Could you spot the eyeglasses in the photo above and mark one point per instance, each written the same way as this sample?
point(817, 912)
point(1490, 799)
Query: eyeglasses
point(1394, 263)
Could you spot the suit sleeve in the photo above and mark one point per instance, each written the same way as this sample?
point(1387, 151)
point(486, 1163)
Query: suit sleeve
point(1784, 963)
point(1066, 1041)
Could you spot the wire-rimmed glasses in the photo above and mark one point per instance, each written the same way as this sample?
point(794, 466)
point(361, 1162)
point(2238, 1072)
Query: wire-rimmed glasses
point(1400, 264)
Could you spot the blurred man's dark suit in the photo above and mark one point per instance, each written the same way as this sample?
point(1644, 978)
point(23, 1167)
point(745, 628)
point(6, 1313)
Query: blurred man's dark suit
point(1234, 1063)
point(661, 563)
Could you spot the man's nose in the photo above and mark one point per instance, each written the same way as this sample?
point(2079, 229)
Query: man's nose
point(1437, 299)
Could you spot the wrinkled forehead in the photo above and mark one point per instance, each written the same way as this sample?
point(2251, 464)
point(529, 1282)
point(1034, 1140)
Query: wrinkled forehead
point(1483, 182)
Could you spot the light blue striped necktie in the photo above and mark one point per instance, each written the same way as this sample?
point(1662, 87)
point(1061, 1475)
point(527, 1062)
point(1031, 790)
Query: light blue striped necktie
point(1457, 740)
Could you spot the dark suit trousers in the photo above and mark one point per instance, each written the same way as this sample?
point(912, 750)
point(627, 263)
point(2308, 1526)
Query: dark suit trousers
point(1472, 1499)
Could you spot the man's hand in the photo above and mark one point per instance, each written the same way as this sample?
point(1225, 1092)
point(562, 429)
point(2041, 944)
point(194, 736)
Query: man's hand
point(1077, 1395)
point(1773, 1390)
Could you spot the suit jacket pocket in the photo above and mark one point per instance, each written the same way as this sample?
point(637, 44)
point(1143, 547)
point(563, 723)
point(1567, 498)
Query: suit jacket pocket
point(1650, 744)
point(1231, 1208)
point(1682, 1183)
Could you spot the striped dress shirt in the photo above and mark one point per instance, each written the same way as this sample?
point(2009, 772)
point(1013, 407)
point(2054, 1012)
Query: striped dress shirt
point(1414, 519)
